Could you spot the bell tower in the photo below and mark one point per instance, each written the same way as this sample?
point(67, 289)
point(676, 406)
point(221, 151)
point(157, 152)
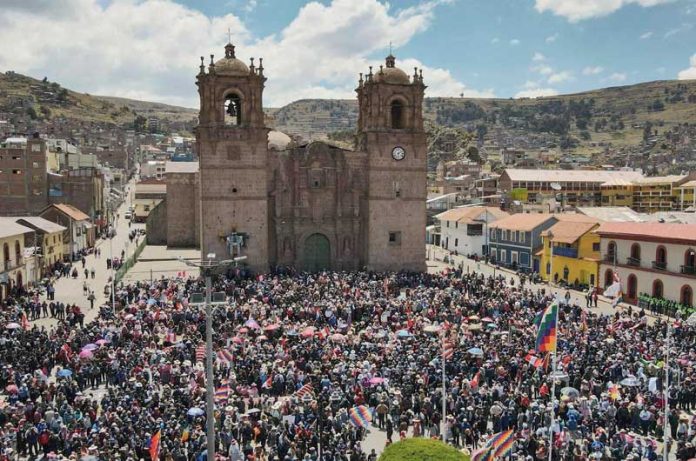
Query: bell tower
point(233, 154)
point(390, 131)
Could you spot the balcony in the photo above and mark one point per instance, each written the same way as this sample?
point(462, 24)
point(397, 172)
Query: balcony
point(633, 261)
point(609, 258)
point(566, 252)
point(11, 264)
point(659, 265)
point(688, 270)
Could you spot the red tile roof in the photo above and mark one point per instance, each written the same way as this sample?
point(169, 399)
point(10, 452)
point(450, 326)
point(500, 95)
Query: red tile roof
point(650, 230)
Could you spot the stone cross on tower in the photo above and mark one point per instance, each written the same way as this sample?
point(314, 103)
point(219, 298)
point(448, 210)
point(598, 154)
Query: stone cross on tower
point(229, 35)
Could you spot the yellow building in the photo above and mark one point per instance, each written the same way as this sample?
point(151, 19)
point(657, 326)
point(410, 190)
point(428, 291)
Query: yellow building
point(13, 274)
point(47, 237)
point(686, 194)
point(617, 192)
point(576, 253)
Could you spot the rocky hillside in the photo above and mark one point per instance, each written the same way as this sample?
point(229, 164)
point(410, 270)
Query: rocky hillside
point(613, 116)
point(26, 98)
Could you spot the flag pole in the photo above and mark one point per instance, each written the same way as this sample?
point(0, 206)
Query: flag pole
point(666, 429)
point(553, 387)
point(444, 391)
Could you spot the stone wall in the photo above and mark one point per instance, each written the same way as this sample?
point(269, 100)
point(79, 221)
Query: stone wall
point(156, 224)
point(182, 217)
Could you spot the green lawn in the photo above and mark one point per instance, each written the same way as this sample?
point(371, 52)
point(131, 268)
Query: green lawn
point(419, 449)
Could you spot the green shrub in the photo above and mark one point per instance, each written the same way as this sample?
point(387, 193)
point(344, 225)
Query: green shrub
point(420, 449)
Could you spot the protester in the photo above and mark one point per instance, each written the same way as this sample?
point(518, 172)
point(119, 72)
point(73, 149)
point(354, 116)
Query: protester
point(297, 354)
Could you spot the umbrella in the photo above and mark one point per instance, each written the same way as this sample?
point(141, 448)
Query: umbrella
point(308, 332)
point(103, 342)
point(151, 301)
point(262, 338)
point(403, 334)
point(291, 333)
point(338, 337)
point(86, 354)
point(195, 411)
point(129, 317)
point(12, 326)
point(90, 347)
point(476, 351)
point(64, 373)
point(376, 380)
point(570, 392)
point(237, 340)
point(272, 327)
point(432, 328)
point(12, 389)
point(474, 317)
point(630, 381)
point(475, 327)
point(487, 320)
point(251, 323)
point(252, 411)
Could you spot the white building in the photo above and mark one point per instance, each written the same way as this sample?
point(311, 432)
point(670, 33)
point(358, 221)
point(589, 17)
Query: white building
point(152, 169)
point(658, 259)
point(464, 229)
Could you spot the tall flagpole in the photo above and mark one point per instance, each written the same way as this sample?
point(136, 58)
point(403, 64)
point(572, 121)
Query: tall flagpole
point(553, 386)
point(666, 428)
point(444, 391)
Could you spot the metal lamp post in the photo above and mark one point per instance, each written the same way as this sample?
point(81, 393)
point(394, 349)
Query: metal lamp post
point(208, 267)
point(550, 237)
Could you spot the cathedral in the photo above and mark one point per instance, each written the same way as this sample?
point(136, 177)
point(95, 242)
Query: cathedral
point(312, 205)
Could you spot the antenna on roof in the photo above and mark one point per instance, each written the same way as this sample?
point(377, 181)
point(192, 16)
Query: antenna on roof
point(555, 186)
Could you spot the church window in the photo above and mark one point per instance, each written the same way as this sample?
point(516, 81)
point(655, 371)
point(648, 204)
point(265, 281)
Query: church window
point(394, 238)
point(316, 178)
point(397, 114)
point(233, 110)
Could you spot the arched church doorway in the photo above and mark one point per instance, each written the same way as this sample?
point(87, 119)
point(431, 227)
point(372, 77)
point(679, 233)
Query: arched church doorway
point(317, 253)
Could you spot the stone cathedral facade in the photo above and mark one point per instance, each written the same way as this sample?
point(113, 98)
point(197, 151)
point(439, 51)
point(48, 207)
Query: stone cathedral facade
point(311, 205)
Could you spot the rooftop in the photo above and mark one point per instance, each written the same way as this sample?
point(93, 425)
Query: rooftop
point(71, 211)
point(181, 167)
point(612, 214)
point(41, 223)
point(660, 179)
point(569, 231)
point(470, 214)
point(599, 176)
point(659, 231)
point(9, 228)
point(522, 221)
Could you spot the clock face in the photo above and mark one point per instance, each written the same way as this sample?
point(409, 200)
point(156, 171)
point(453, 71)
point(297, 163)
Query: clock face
point(398, 153)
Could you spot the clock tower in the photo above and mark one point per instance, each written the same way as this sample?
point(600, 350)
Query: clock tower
point(390, 131)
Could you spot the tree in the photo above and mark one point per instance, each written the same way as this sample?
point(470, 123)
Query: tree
point(31, 112)
point(472, 154)
point(140, 124)
point(420, 449)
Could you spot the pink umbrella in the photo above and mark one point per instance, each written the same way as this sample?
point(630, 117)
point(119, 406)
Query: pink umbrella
point(90, 347)
point(102, 342)
point(338, 337)
point(272, 327)
point(308, 332)
point(86, 354)
point(251, 323)
point(487, 319)
point(237, 340)
point(262, 338)
point(376, 380)
point(12, 389)
point(129, 317)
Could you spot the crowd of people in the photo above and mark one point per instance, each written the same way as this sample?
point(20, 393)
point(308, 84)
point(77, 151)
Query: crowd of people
point(295, 354)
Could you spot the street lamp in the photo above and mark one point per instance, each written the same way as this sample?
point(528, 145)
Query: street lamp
point(549, 235)
point(207, 267)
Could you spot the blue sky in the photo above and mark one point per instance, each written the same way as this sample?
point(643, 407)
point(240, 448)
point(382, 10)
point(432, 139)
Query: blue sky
point(149, 49)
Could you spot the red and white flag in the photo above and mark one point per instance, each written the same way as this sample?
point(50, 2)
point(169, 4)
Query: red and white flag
point(323, 333)
point(534, 361)
point(447, 349)
point(200, 353)
point(268, 383)
point(304, 390)
point(475, 380)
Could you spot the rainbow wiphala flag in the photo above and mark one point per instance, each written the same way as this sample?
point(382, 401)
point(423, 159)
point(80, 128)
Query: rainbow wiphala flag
point(548, 330)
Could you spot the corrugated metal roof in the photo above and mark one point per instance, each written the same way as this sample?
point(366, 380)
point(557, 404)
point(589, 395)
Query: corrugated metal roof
point(181, 167)
point(43, 224)
point(9, 228)
point(599, 176)
point(521, 221)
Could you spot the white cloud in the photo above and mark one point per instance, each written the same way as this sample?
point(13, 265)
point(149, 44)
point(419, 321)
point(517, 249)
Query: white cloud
point(560, 77)
point(690, 73)
point(538, 57)
point(617, 77)
point(150, 49)
point(536, 93)
point(543, 69)
point(679, 29)
point(646, 35)
point(578, 10)
point(514, 42)
point(592, 70)
point(552, 38)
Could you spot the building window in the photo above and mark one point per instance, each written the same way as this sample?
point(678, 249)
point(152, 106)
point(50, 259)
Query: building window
point(395, 238)
point(548, 268)
point(16, 171)
point(447, 224)
point(632, 286)
point(36, 147)
point(635, 252)
point(658, 289)
point(492, 234)
point(456, 224)
point(397, 114)
point(233, 110)
point(687, 296)
point(595, 246)
point(456, 243)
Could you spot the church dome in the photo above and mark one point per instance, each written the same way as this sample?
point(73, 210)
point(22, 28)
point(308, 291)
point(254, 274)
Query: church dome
point(230, 65)
point(391, 73)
